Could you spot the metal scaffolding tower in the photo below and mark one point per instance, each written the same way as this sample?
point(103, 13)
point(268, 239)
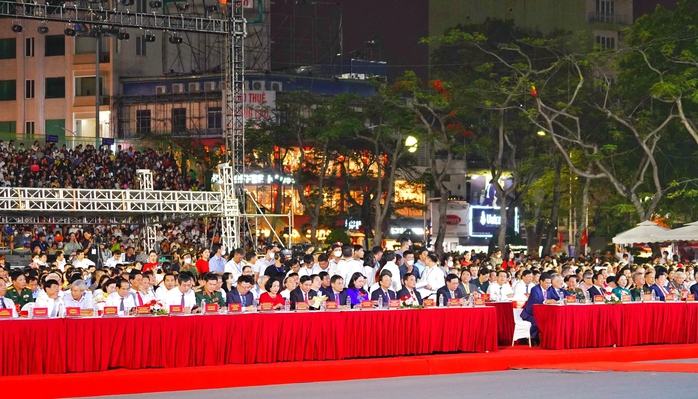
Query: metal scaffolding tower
point(113, 15)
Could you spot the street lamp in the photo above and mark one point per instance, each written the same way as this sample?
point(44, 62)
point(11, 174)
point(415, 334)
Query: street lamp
point(541, 133)
point(411, 143)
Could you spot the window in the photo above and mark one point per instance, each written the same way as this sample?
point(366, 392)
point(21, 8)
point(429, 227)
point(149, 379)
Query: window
point(29, 47)
point(141, 6)
point(85, 87)
point(8, 127)
point(605, 7)
point(143, 121)
point(8, 90)
point(608, 43)
point(54, 127)
point(179, 119)
point(55, 45)
point(55, 88)
point(140, 45)
point(8, 48)
point(29, 128)
point(215, 118)
point(29, 88)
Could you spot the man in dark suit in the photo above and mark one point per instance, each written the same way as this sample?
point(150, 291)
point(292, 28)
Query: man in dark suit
point(597, 288)
point(556, 292)
point(241, 293)
point(539, 295)
point(409, 288)
point(449, 291)
point(384, 290)
point(302, 293)
point(336, 292)
point(466, 287)
point(659, 286)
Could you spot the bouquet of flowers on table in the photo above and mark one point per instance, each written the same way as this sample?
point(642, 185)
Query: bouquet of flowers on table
point(610, 297)
point(407, 302)
point(157, 308)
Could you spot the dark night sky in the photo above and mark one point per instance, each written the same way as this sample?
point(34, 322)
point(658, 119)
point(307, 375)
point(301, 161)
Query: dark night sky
point(398, 24)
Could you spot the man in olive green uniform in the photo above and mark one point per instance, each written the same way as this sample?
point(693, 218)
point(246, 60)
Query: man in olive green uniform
point(209, 293)
point(18, 291)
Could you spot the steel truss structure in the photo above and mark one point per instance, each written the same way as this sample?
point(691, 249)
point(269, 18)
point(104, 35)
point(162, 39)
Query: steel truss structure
point(99, 15)
point(229, 203)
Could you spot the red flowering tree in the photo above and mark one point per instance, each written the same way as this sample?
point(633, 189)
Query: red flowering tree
point(439, 130)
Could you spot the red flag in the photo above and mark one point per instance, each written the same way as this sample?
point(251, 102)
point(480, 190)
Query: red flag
point(560, 239)
point(585, 238)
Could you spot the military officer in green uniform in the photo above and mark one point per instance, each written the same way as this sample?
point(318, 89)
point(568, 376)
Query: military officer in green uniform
point(18, 291)
point(210, 292)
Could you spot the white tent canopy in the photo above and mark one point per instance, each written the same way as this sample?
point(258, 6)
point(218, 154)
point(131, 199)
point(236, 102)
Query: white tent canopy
point(689, 232)
point(645, 232)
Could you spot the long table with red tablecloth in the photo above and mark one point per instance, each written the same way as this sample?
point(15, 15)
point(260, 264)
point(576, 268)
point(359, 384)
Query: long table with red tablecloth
point(628, 324)
point(39, 346)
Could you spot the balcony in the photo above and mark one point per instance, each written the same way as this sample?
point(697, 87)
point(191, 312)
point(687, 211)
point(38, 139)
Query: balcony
point(613, 19)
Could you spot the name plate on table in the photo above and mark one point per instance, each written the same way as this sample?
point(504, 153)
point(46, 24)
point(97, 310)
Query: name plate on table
point(669, 297)
point(571, 299)
point(331, 305)
point(394, 304)
point(40, 312)
point(5, 313)
point(647, 297)
point(366, 304)
point(174, 309)
point(598, 298)
point(453, 302)
point(485, 297)
point(111, 311)
point(212, 308)
point(235, 308)
point(266, 307)
point(479, 301)
point(302, 306)
point(625, 298)
point(72, 312)
point(429, 303)
point(143, 310)
point(690, 298)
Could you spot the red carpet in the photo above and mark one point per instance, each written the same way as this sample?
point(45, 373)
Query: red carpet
point(121, 382)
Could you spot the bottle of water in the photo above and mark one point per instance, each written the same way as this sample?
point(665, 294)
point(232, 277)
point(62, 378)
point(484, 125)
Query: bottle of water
point(323, 306)
point(442, 301)
point(380, 302)
point(203, 306)
point(348, 302)
point(287, 305)
point(586, 296)
point(654, 296)
point(255, 302)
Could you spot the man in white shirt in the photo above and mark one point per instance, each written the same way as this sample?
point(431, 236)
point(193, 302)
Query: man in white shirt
point(79, 297)
point(114, 260)
point(335, 257)
point(347, 266)
point(183, 295)
point(81, 262)
point(394, 270)
point(523, 287)
point(309, 267)
point(500, 290)
point(432, 278)
point(49, 298)
point(6, 303)
point(236, 263)
point(261, 265)
point(168, 283)
point(121, 298)
point(60, 260)
point(141, 293)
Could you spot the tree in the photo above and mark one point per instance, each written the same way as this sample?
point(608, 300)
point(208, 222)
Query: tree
point(312, 125)
point(440, 131)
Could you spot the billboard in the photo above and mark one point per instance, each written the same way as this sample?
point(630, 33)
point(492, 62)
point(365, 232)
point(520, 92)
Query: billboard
point(456, 218)
point(484, 221)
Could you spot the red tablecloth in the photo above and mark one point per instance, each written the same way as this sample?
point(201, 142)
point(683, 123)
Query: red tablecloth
point(577, 326)
point(592, 326)
point(82, 345)
point(505, 321)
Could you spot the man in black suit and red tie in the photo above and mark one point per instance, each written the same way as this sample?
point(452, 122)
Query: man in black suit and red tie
point(410, 288)
point(384, 290)
point(302, 293)
point(449, 291)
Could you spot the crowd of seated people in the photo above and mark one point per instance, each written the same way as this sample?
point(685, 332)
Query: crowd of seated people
point(51, 166)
